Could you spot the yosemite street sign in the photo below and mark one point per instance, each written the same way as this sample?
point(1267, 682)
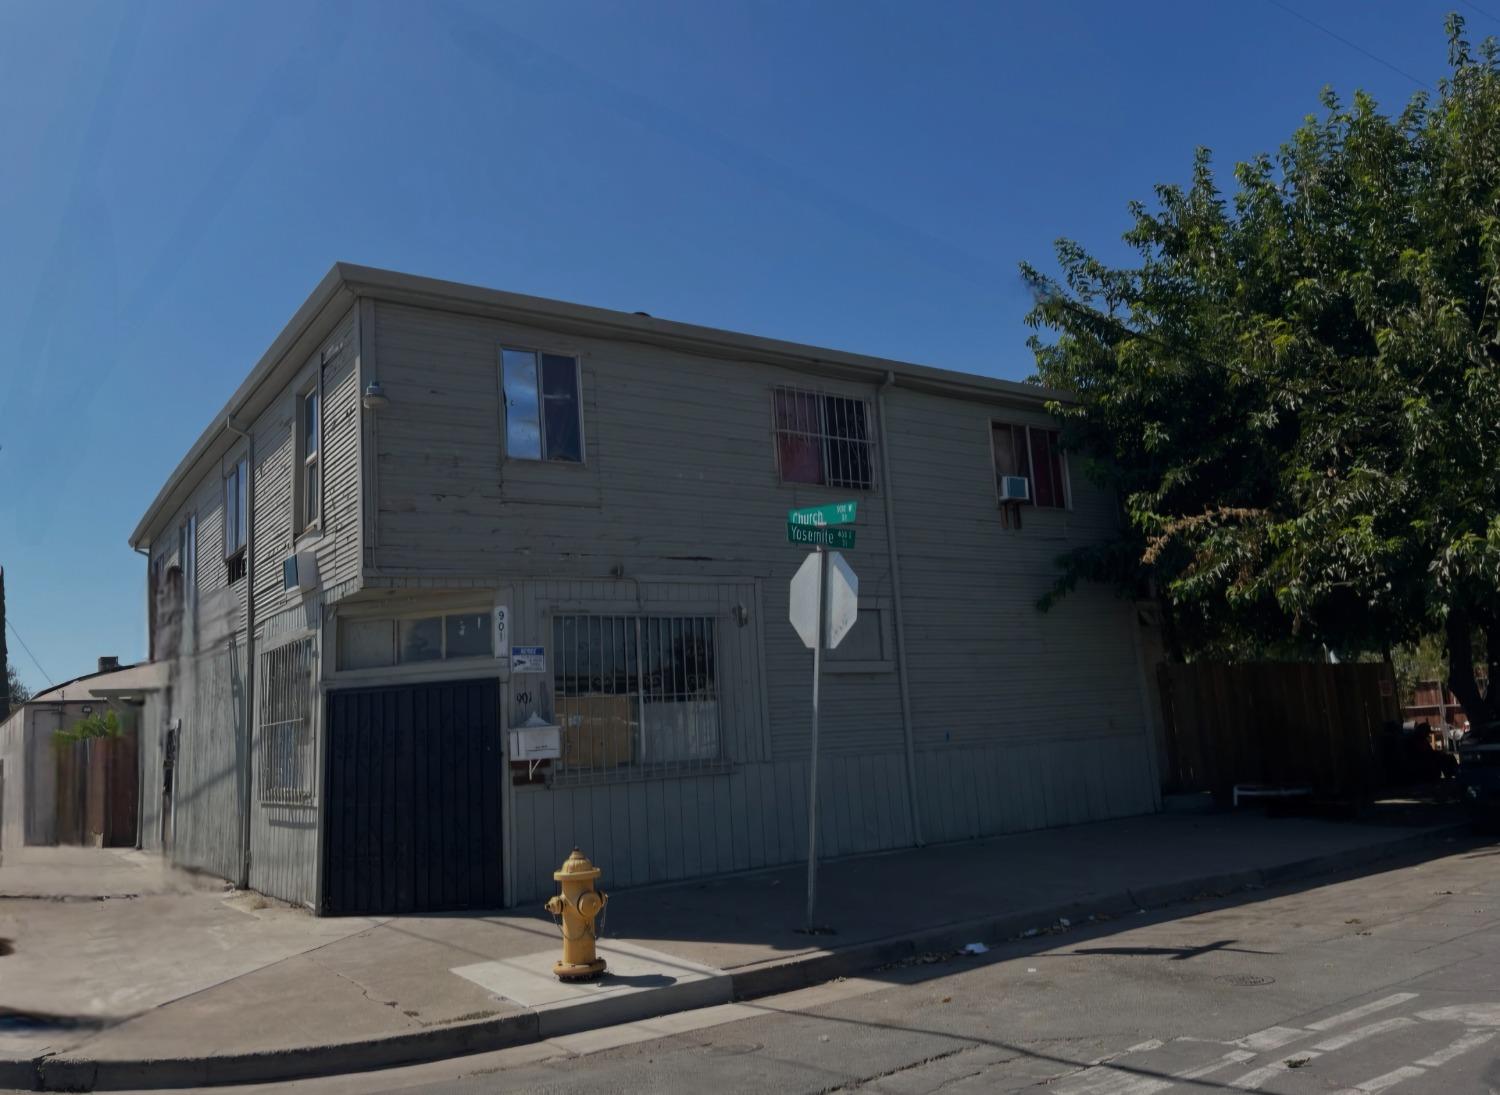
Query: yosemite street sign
point(815, 536)
point(835, 513)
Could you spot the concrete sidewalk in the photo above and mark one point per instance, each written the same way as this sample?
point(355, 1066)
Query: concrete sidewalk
point(186, 984)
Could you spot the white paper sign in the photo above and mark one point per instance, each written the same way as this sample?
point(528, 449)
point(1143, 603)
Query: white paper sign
point(528, 659)
point(502, 629)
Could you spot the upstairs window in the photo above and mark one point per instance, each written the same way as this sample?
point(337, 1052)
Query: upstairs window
point(1034, 453)
point(543, 414)
point(308, 495)
point(823, 439)
point(236, 519)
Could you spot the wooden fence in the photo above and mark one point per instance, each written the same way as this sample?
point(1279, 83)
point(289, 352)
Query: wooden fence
point(1279, 723)
point(96, 790)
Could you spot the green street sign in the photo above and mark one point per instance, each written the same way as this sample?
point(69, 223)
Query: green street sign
point(835, 513)
point(814, 536)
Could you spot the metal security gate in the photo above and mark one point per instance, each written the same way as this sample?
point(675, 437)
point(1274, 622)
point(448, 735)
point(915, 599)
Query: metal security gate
point(413, 799)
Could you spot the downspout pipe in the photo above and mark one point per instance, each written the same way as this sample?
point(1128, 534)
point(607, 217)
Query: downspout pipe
point(140, 770)
point(246, 788)
point(890, 540)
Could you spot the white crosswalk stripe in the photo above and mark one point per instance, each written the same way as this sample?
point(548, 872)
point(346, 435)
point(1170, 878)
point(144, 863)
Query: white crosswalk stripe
point(1471, 1040)
point(1144, 1070)
point(1272, 1038)
point(1348, 1038)
point(1356, 1014)
point(1390, 1079)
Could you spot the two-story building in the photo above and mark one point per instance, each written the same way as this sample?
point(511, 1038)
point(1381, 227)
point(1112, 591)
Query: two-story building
point(435, 512)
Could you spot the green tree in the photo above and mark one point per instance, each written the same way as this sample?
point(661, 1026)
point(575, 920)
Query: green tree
point(1296, 390)
point(16, 693)
point(90, 727)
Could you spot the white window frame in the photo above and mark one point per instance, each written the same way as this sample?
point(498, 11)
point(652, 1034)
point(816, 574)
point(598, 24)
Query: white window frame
point(1067, 479)
point(583, 441)
point(309, 462)
point(236, 505)
point(466, 661)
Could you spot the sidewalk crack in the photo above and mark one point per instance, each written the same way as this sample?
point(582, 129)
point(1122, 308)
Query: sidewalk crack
point(865, 1081)
point(363, 989)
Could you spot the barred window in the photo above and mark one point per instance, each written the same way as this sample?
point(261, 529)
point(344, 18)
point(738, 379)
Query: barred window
point(823, 439)
point(288, 767)
point(635, 692)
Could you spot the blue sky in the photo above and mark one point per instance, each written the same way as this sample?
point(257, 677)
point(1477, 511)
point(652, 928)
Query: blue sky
point(177, 177)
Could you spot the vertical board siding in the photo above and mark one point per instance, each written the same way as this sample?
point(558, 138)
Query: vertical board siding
point(208, 692)
point(152, 734)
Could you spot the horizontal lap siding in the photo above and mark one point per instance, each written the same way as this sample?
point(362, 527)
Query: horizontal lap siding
point(680, 478)
point(207, 688)
point(339, 548)
point(1001, 691)
point(1021, 718)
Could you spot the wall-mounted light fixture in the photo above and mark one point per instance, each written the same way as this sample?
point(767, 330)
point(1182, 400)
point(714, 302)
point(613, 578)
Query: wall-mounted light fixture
point(374, 398)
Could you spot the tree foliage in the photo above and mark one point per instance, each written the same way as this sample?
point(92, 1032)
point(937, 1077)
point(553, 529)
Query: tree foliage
point(1296, 388)
point(89, 727)
point(16, 692)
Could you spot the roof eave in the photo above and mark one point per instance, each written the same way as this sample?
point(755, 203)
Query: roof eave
point(180, 483)
point(345, 282)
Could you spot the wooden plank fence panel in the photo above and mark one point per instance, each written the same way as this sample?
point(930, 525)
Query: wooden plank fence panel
point(1288, 724)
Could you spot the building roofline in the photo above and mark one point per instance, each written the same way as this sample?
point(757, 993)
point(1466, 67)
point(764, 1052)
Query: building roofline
point(346, 282)
point(139, 670)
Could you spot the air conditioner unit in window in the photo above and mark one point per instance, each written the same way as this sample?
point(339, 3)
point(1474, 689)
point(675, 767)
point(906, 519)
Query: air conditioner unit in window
point(1015, 488)
point(299, 572)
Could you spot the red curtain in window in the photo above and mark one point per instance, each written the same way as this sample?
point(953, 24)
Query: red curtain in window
point(1046, 469)
point(799, 442)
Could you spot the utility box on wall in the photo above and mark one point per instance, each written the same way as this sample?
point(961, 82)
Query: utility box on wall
point(533, 742)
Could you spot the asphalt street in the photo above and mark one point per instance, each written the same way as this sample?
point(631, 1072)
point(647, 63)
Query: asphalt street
point(1386, 982)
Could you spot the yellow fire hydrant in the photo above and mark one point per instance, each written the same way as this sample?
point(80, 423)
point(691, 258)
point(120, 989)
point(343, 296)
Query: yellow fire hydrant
point(577, 907)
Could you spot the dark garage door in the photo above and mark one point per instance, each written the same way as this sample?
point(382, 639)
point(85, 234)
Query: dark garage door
point(413, 798)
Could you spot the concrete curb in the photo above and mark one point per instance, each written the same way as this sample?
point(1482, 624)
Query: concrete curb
point(64, 1073)
point(785, 975)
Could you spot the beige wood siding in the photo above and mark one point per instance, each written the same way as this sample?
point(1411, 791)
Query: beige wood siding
point(1021, 719)
point(207, 680)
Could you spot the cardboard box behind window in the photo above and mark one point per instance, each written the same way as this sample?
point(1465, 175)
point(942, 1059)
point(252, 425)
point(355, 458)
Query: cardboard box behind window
point(597, 731)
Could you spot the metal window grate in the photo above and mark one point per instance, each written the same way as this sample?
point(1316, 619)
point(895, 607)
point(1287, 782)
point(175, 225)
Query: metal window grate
point(635, 695)
point(288, 766)
point(823, 439)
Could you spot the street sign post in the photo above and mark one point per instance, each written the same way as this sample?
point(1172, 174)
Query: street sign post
point(820, 536)
point(835, 513)
point(823, 606)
